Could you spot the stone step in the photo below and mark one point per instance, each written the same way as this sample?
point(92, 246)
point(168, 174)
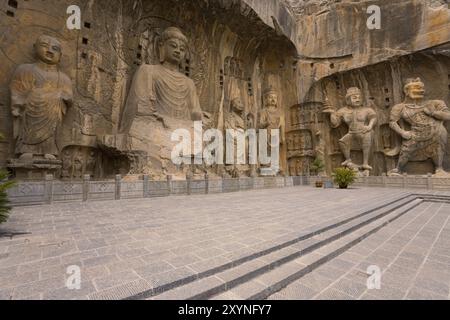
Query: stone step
point(267, 284)
point(246, 271)
point(275, 245)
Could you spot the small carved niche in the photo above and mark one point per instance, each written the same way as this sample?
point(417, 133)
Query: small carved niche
point(13, 5)
point(250, 87)
point(221, 78)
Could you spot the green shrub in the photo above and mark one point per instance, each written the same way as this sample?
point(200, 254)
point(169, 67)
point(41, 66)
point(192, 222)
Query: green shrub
point(344, 177)
point(317, 166)
point(4, 203)
point(5, 184)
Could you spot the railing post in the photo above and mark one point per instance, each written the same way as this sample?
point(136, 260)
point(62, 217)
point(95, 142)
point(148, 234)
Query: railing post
point(188, 183)
point(118, 191)
point(145, 179)
point(169, 184)
point(86, 179)
point(384, 177)
point(49, 188)
point(429, 181)
point(404, 180)
point(206, 183)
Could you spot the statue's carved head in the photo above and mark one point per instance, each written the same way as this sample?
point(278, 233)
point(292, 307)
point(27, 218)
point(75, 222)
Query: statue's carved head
point(173, 46)
point(353, 97)
point(270, 98)
point(414, 88)
point(48, 50)
point(236, 105)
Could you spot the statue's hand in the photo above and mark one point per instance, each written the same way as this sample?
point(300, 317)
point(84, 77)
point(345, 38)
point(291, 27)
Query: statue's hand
point(329, 110)
point(366, 129)
point(160, 118)
point(428, 112)
point(407, 135)
point(197, 116)
point(15, 112)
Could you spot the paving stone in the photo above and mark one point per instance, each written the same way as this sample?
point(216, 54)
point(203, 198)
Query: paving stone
point(6, 294)
point(248, 289)
point(33, 288)
point(333, 294)
point(100, 260)
point(417, 293)
point(122, 291)
point(111, 239)
point(86, 288)
point(188, 291)
point(297, 291)
point(180, 275)
point(115, 280)
point(435, 286)
point(185, 260)
point(150, 270)
point(387, 292)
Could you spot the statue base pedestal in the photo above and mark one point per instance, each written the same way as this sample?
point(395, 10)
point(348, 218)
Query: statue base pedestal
point(268, 172)
point(36, 169)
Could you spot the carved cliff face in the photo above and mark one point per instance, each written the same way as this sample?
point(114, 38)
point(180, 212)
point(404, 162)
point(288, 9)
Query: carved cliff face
point(48, 50)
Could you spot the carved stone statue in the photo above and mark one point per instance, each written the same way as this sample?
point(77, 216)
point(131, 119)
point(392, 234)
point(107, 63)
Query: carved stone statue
point(234, 120)
point(427, 136)
point(272, 116)
point(162, 90)
point(161, 100)
point(361, 121)
point(40, 95)
point(290, 143)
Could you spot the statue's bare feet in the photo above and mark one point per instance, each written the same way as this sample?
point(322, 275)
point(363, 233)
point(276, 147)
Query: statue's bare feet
point(367, 167)
point(347, 163)
point(394, 173)
point(49, 157)
point(440, 172)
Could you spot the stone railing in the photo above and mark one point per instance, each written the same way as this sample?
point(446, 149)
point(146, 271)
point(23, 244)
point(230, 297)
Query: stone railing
point(51, 191)
point(408, 182)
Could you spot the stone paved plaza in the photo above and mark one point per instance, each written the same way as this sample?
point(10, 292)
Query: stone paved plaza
point(128, 247)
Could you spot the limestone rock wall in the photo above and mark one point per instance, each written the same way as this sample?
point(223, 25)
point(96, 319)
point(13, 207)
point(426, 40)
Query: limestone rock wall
point(307, 50)
point(232, 52)
point(338, 51)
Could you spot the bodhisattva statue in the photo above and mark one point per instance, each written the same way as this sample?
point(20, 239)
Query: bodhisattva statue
point(234, 120)
point(162, 91)
point(271, 117)
point(40, 95)
point(427, 135)
point(361, 121)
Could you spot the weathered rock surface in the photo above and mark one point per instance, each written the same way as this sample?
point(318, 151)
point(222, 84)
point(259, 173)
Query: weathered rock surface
point(308, 51)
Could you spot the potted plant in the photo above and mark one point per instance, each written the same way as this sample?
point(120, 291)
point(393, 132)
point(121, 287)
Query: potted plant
point(4, 185)
point(317, 166)
point(344, 177)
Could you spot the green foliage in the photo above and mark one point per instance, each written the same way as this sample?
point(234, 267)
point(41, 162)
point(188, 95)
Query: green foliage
point(317, 166)
point(4, 185)
point(344, 177)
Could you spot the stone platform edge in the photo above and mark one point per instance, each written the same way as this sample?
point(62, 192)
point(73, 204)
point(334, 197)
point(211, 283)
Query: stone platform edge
point(50, 191)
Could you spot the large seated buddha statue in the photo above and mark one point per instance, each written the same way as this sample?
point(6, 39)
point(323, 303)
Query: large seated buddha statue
point(161, 100)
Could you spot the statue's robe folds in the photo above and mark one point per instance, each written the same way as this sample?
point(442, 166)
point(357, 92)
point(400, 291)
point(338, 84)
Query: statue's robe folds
point(41, 96)
point(159, 102)
point(430, 134)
